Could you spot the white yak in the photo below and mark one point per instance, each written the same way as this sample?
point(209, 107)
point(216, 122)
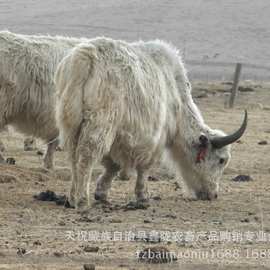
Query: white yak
point(27, 92)
point(128, 103)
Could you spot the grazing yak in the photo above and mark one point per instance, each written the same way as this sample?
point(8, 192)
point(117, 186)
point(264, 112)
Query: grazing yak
point(128, 103)
point(27, 92)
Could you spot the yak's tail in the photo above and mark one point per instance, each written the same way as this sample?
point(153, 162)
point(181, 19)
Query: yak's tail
point(71, 76)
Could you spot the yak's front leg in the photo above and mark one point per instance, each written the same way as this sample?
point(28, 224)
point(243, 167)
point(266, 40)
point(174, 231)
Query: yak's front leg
point(73, 161)
point(92, 146)
point(83, 174)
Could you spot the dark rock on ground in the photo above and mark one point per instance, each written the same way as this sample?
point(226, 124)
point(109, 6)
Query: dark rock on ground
point(91, 249)
point(242, 178)
point(245, 89)
point(11, 161)
point(263, 142)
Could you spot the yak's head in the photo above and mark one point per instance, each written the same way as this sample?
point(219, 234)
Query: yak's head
point(209, 157)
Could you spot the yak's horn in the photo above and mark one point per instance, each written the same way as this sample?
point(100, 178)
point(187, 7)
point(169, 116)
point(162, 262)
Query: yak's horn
point(220, 142)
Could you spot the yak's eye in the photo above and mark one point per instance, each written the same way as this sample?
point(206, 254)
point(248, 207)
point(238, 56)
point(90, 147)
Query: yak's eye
point(221, 161)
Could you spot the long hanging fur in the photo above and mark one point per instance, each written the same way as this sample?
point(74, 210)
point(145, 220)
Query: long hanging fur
point(134, 101)
point(27, 92)
point(70, 101)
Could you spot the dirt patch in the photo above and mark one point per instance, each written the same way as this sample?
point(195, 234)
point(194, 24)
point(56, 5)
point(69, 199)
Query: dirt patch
point(202, 234)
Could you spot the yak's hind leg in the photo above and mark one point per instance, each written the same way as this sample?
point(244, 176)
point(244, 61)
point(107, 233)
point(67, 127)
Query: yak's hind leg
point(2, 149)
point(142, 200)
point(73, 161)
point(105, 180)
point(48, 157)
point(92, 145)
point(7, 98)
point(140, 189)
point(2, 160)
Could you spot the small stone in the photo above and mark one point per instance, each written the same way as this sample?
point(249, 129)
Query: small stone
point(11, 161)
point(37, 243)
point(245, 220)
point(217, 222)
point(201, 95)
point(242, 178)
point(147, 221)
point(263, 142)
point(40, 153)
point(136, 206)
point(89, 266)
point(123, 265)
point(170, 216)
point(177, 186)
point(152, 178)
point(58, 254)
point(91, 249)
point(115, 220)
point(156, 198)
point(21, 251)
point(245, 89)
point(62, 223)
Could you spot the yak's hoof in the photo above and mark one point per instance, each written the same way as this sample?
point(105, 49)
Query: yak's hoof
point(100, 197)
point(142, 200)
point(206, 196)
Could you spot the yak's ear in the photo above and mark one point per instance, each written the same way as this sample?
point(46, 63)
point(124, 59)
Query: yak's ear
point(202, 148)
point(203, 141)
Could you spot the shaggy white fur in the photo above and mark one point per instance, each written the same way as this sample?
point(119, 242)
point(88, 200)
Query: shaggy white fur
point(27, 67)
point(122, 103)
